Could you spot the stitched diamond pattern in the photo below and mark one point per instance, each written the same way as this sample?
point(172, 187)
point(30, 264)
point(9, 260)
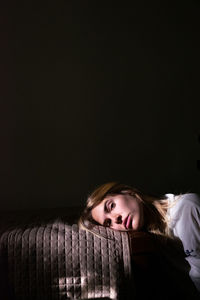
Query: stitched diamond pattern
point(59, 261)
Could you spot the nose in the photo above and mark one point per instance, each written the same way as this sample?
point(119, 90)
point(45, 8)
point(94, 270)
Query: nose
point(117, 219)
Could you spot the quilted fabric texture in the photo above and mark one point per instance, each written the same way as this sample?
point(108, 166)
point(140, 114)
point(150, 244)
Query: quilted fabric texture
point(59, 261)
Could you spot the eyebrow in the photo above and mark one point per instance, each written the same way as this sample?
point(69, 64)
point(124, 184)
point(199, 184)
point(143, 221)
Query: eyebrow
point(105, 206)
point(106, 211)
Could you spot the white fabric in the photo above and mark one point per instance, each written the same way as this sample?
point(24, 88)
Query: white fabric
point(184, 218)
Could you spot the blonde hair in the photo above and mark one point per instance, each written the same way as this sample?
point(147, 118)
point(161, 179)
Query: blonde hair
point(154, 208)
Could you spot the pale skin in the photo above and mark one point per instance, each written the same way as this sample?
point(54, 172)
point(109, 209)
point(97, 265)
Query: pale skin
point(120, 212)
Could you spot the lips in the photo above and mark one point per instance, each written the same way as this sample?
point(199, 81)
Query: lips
point(127, 222)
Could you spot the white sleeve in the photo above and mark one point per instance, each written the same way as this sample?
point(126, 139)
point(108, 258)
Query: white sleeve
point(188, 230)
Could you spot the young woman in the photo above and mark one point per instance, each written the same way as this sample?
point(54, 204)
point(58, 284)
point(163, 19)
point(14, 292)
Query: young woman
point(122, 207)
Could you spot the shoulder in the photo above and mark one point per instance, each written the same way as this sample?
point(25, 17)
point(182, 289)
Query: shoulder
point(183, 207)
point(188, 199)
point(185, 210)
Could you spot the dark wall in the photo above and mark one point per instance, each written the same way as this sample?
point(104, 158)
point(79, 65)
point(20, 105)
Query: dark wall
point(97, 92)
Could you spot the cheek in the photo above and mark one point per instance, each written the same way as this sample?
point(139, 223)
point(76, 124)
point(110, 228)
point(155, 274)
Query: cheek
point(134, 205)
point(126, 205)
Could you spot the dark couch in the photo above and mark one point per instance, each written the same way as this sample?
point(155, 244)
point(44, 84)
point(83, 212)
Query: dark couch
point(44, 255)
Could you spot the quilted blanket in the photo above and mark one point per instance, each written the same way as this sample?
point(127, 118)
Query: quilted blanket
point(54, 260)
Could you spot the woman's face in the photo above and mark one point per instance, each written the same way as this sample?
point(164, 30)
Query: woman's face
point(120, 212)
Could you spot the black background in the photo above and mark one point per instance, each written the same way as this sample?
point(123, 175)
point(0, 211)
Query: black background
point(95, 91)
